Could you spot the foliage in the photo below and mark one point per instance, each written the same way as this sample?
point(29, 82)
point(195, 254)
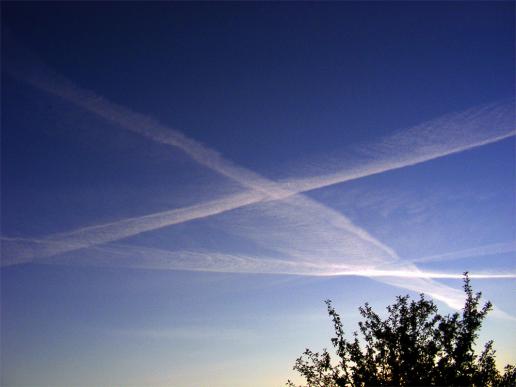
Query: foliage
point(413, 346)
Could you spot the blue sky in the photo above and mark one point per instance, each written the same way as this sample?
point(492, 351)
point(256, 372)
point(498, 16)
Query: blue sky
point(184, 183)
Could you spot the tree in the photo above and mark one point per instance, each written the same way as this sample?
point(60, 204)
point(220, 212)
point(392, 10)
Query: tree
point(413, 346)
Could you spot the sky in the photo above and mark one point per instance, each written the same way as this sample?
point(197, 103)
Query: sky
point(183, 184)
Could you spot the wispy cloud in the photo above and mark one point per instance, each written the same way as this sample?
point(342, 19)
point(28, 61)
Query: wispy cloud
point(450, 134)
point(446, 135)
point(16, 250)
point(300, 228)
point(140, 257)
point(262, 189)
point(479, 251)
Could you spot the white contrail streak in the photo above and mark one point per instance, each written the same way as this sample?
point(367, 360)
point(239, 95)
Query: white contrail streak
point(264, 189)
point(139, 257)
point(16, 250)
point(480, 251)
point(312, 183)
point(469, 129)
point(57, 85)
point(330, 234)
point(450, 134)
point(261, 188)
point(132, 256)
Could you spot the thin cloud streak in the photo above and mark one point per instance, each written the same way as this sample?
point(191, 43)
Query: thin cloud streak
point(47, 80)
point(450, 134)
point(443, 136)
point(447, 135)
point(262, 189)
point(406, 276)
point(139, 257)
point(480, 251)
point(17, 250)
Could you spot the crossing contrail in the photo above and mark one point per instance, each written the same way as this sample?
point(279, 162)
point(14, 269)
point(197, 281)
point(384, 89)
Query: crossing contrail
point(444, 136)
point(450, 134)
point(453, 133)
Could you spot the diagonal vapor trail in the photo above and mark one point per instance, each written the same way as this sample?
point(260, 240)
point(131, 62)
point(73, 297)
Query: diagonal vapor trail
point(449, 134)
point(480, 251)
point(19, 251)
point(206, 260)
point(476, 120)
point(260, 188)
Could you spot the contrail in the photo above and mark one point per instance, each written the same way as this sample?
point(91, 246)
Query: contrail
point(396, 152)
point(19, 250)
point(386, 158)
point(132, 256)
point(47, 80)
point(405, 276)
point(450, 134)
point(492, 249)
point(328, 232)
point(261, 188)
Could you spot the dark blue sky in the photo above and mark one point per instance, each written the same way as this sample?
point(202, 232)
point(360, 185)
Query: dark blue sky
point(364, 149)
point(245, 77)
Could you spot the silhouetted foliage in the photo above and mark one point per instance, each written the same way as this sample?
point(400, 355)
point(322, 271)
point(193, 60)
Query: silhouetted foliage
point(413, 346)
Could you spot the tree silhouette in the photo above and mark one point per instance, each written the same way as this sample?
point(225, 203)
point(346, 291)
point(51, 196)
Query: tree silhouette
point(413, 346)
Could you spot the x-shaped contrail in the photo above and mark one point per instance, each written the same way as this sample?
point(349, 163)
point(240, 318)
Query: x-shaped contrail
point(419, 144)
